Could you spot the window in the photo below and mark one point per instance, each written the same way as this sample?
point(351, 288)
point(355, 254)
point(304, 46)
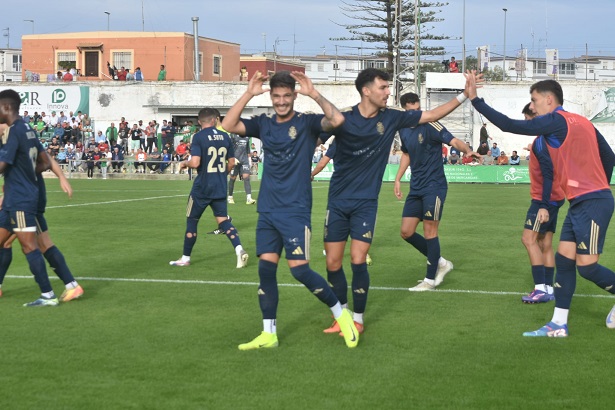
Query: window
point(200, 63)
point(121, 59)
point(567, 68)
point(540, 67)
point(321, 67)
point(374, 64)
point(217, 65)
point(16, 62)
point(66, 59)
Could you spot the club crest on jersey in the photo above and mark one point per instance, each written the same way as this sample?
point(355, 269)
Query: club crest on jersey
point(292, 132)
point(380, 128)
point(421, 139)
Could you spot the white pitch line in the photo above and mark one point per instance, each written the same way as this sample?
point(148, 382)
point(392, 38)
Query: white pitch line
point(116, 202)
point(296, 285)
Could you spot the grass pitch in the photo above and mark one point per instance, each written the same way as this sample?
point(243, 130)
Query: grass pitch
point(147, 335)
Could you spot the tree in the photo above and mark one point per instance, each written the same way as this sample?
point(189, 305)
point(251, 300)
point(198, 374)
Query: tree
point(375, 24)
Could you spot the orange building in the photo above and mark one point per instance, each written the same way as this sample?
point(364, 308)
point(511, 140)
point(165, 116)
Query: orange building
point(89, 52)
point(266, 64)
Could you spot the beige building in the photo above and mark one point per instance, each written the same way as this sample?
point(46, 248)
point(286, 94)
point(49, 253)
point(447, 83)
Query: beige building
point(89, 52)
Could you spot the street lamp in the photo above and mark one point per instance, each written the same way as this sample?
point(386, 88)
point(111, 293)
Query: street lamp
point(504, 54)
point(108, 15)
point(31, 21)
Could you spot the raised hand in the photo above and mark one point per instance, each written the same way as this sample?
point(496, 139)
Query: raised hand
point(255, 85)
point(307, 88)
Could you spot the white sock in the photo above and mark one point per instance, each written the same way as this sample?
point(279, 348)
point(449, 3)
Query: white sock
point(549, 290)
point(541, 287)
point(430, 281)
point(48, 295)
point(269, 326)
point(185, 258)
point(337, 310)
point(249, 197)
point(71, 285)
point(441, 261)
point(238, 249)
point(357, 317)
point(560, 316)
point(230, 197)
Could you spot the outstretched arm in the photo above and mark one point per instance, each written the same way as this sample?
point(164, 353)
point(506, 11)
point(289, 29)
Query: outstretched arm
point(445, 109)
point(232, 121)
point(320, 166)
point(333, 117)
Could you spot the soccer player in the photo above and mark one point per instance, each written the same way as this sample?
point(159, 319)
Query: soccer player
point(18, 158)
point(285, 200)
point(583, 163)
point(209, 188)
point(242, 165)
point(541, 219)
point(363, 145)
point(422, 150)
point(50, 251)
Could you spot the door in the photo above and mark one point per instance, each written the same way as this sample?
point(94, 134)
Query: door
point(91, 63)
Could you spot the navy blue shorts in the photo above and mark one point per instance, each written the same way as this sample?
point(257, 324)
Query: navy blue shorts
point(533, 225)
point(586, 225)
point(289, 231)
point(197, 206)
point(18, 221)
point(427, 206)
point(41, 223)
point(354, 217)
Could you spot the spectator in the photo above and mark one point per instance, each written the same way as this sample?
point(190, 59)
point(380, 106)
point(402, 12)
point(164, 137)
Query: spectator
point(181, 149)
point(61, 157)
point(502, 159)
point(122, 136)
point(97, 156)
point(103, 146)
point(62, 118)
point(495, 152)
point(484, 135)
point(71, 156)
point(138, 74)
point(140, 161)
point(483, 150)
point(88, 158)
point(75, 134)
point(452, 66)
point(105, 162)
point(26, 117)
point(394, 156)
point(117, 159)
point(100, 138)
point(254, 160)
point(135, 138)
point(444, 154)
point(58, 132)
point(142, 136)
point(162, 75)
point(154, 160)
point(54, 146)
point(67, 76)
point(111, 132)
point(515, 159)
point(78, 158)
point(454, 159)
point(150, 135)
point(129, 75)
point(166, 160)
point(121, 74)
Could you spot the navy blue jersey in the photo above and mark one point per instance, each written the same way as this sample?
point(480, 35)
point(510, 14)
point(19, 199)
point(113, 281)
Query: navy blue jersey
point(215, 148)
point(424, 145)
point(289, 146)
point(362, 152)
point(20, 182)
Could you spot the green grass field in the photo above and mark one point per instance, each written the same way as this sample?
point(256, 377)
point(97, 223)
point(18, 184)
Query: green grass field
point(147, 335)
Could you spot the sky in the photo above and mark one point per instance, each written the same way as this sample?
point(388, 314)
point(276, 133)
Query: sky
point(306, 27)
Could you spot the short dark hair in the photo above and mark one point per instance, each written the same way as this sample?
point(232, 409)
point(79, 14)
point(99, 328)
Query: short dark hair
point(528, 111)
point(217, 112)
point(408, 98)
point(282, 79)
point(549, 86)
point(368, 76)
point(207, 114)
point(12, 98)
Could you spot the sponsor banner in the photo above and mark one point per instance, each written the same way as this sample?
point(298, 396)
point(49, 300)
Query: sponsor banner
point(49, 98)
point(457, 173)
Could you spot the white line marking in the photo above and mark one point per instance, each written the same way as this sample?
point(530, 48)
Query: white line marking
point(296, 285)
point(116, 202)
